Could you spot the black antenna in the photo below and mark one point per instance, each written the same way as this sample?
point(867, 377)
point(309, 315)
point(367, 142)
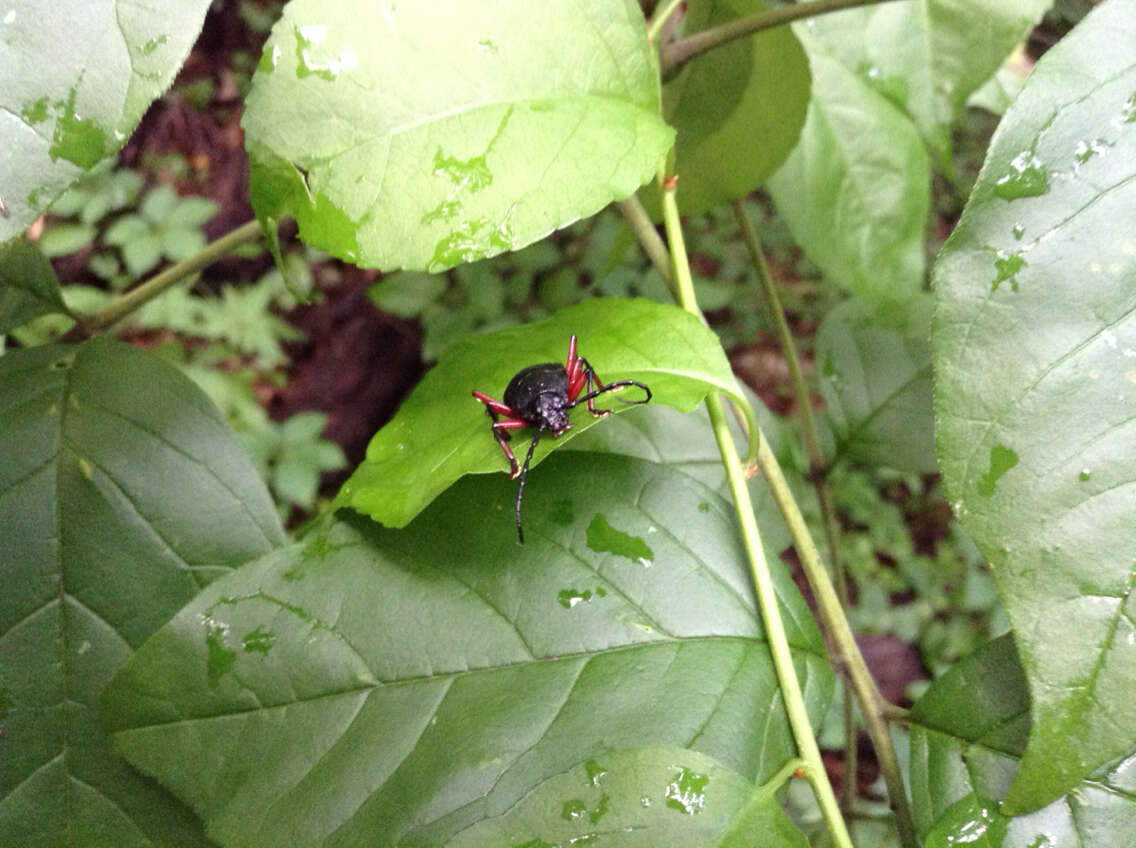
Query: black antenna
point(521, 487)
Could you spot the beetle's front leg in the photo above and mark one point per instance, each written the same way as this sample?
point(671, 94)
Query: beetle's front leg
point(501, 427)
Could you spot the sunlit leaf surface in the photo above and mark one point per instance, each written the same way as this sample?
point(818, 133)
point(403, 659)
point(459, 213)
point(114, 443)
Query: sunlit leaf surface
point(423, 135)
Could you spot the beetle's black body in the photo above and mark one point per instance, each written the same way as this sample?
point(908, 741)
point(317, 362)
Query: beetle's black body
point(540, 397)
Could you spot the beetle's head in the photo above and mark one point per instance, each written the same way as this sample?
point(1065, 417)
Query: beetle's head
point(553, 412)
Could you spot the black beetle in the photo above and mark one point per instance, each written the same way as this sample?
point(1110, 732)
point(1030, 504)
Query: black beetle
point(540, 396)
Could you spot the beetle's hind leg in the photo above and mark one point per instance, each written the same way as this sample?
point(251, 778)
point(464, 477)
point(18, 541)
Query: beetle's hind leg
point(596, 387)
point(611, 387)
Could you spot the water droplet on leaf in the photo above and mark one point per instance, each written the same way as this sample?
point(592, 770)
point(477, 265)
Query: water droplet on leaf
point(595, 771)
point(568, 598)
point(687, 792)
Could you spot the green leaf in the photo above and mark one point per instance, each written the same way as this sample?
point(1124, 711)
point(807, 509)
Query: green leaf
point(929, 56)
point(539, 115)
point(65, 239)
point(178, 243)
point(737, 111)
point(126, 229)
point(304, 427)
point(855, 192)
point(142, 254)
point(441, 432)
point(28, 287)
point(74, 83)
point(159, 204)
point(191, 212)
point(327, 455)
point(383, 687)
point(407, 293)
point(967, 733)
point(1035, 353)
point(242, 318)
point(105, 266)
point(998, 92)
point(119, 190)
point(874, 364)
point(122, 493)
point(295, 480)
point(643, 795)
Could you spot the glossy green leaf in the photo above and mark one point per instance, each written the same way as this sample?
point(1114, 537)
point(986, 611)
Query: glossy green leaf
point(441, 432)
point(75, 78)
point(1034, 348)
point(967, 733)
point(394, 687)
point(929, 56)
point(855, 191)
point(28, 287)
point(636, 798)
point(738, 110)
point(874, 362)
point(424, 135)
point(122, 493)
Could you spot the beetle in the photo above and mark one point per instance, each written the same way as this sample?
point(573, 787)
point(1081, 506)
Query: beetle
point(540, 396)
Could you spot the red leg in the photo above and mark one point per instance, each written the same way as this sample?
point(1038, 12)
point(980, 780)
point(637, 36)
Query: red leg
point(575, 368)
point(581, 374)
point(500, 432)
point(494, 408)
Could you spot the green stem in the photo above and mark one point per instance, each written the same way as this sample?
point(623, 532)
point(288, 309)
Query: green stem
point(122, 306)
point(843, 643)
point(751, 537)
point(817, 471)
point(893, 712)
point(653, 245)
point(659, 19)
point(784, 774)
point(678, 53)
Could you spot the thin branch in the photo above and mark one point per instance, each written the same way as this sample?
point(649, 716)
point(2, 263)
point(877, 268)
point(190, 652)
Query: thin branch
point(122, 306)
point(791, 693)
point(649, 238)
point(872, 704)
point(678, 53)
point(817, 471)
point(659, 19)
